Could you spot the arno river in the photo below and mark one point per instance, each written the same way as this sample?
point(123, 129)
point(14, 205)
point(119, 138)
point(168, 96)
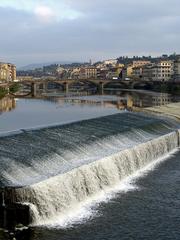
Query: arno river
point(102, 186)
point(31, 113)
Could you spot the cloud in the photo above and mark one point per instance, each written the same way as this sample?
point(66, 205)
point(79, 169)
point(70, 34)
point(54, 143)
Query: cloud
point(44, 13)
point(45, 10)
point(50, 30)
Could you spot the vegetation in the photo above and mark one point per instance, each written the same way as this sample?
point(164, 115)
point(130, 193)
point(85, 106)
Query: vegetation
point(14, 88)
point(129, 60)
point(167, 88)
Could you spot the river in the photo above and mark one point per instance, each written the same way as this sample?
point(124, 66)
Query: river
point(90, 169)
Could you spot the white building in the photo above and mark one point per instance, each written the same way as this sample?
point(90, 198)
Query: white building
point(163, 71)
point(110, 62)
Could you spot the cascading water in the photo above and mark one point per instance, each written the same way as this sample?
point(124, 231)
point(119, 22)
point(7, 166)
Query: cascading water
point(59, 168)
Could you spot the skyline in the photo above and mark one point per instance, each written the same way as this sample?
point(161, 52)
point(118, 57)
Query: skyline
point(49, 31)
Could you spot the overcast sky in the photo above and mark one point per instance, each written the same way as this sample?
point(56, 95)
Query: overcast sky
point(36, 31)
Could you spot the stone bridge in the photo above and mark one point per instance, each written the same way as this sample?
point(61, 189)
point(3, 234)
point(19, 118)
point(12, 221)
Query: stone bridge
point(42, 83)
point(66, 83)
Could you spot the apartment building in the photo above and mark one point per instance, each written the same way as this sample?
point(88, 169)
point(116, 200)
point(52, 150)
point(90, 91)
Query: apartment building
point(90, 72)
point(162, 71)
point(7, 72)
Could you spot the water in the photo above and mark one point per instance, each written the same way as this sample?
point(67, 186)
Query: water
point(28, 113)
point(62, 169)
point(18, 114)
point(36, 155)
point(151, 211)
point(81, 177)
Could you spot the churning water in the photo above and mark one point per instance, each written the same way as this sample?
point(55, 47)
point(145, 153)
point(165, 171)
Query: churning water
point(150, 212)
point(64, 169)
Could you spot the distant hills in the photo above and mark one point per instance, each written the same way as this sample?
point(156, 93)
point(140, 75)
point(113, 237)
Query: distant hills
point(40, 65)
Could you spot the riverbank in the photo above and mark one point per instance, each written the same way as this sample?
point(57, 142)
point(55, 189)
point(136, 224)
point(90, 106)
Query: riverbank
point(171, 110)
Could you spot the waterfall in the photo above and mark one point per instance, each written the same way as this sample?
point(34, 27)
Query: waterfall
point(58, 169)
point(63, 193)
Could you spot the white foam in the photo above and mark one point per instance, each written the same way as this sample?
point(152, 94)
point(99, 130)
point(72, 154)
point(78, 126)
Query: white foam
point(89, 208)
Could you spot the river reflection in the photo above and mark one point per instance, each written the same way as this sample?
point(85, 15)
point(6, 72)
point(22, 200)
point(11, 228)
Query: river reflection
point(120, 99)
point(141, 98)
point(49, 110)
point(7, 104)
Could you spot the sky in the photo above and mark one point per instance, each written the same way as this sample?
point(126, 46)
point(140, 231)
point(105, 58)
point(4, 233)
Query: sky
point(40, 31)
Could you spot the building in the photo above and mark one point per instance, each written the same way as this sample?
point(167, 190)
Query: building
point(147, 72)
point(7, 72)
point(140, 63)
point(162, 71)
point(112, 62)
point(127, 72)
point(88, 72)
point(139, 69)
point(75, 73)
point(177, 70)
point(137, 72)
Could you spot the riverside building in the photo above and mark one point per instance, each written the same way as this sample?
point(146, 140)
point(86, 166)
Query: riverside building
point(163, 71)
point(177, 70)
point(7, 72)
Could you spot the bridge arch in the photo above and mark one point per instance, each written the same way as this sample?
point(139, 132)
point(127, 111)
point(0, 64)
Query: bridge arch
point(141, 84)
point(52, 84)
point(82, 85)
point(116, 84)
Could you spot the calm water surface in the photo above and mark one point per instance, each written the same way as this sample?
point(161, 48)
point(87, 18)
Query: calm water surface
point(18, 114)
point(28, 113)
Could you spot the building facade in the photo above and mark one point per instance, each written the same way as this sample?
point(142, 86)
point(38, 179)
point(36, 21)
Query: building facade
point(140, 63)
point(177, 70)
point(7, 72)
point(137, 72)
point(163, 71)
point(90, 72)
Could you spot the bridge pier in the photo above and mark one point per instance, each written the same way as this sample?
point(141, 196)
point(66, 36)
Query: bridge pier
point(43, 87)
point(66, 87)
point(101, 88)
point(33, 89)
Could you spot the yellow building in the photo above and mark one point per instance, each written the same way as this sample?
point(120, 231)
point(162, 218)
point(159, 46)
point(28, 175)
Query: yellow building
point(129, 71)
point(140, 63)
point(7, 72)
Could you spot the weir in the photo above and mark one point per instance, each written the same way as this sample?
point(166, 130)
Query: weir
point(61, 168)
